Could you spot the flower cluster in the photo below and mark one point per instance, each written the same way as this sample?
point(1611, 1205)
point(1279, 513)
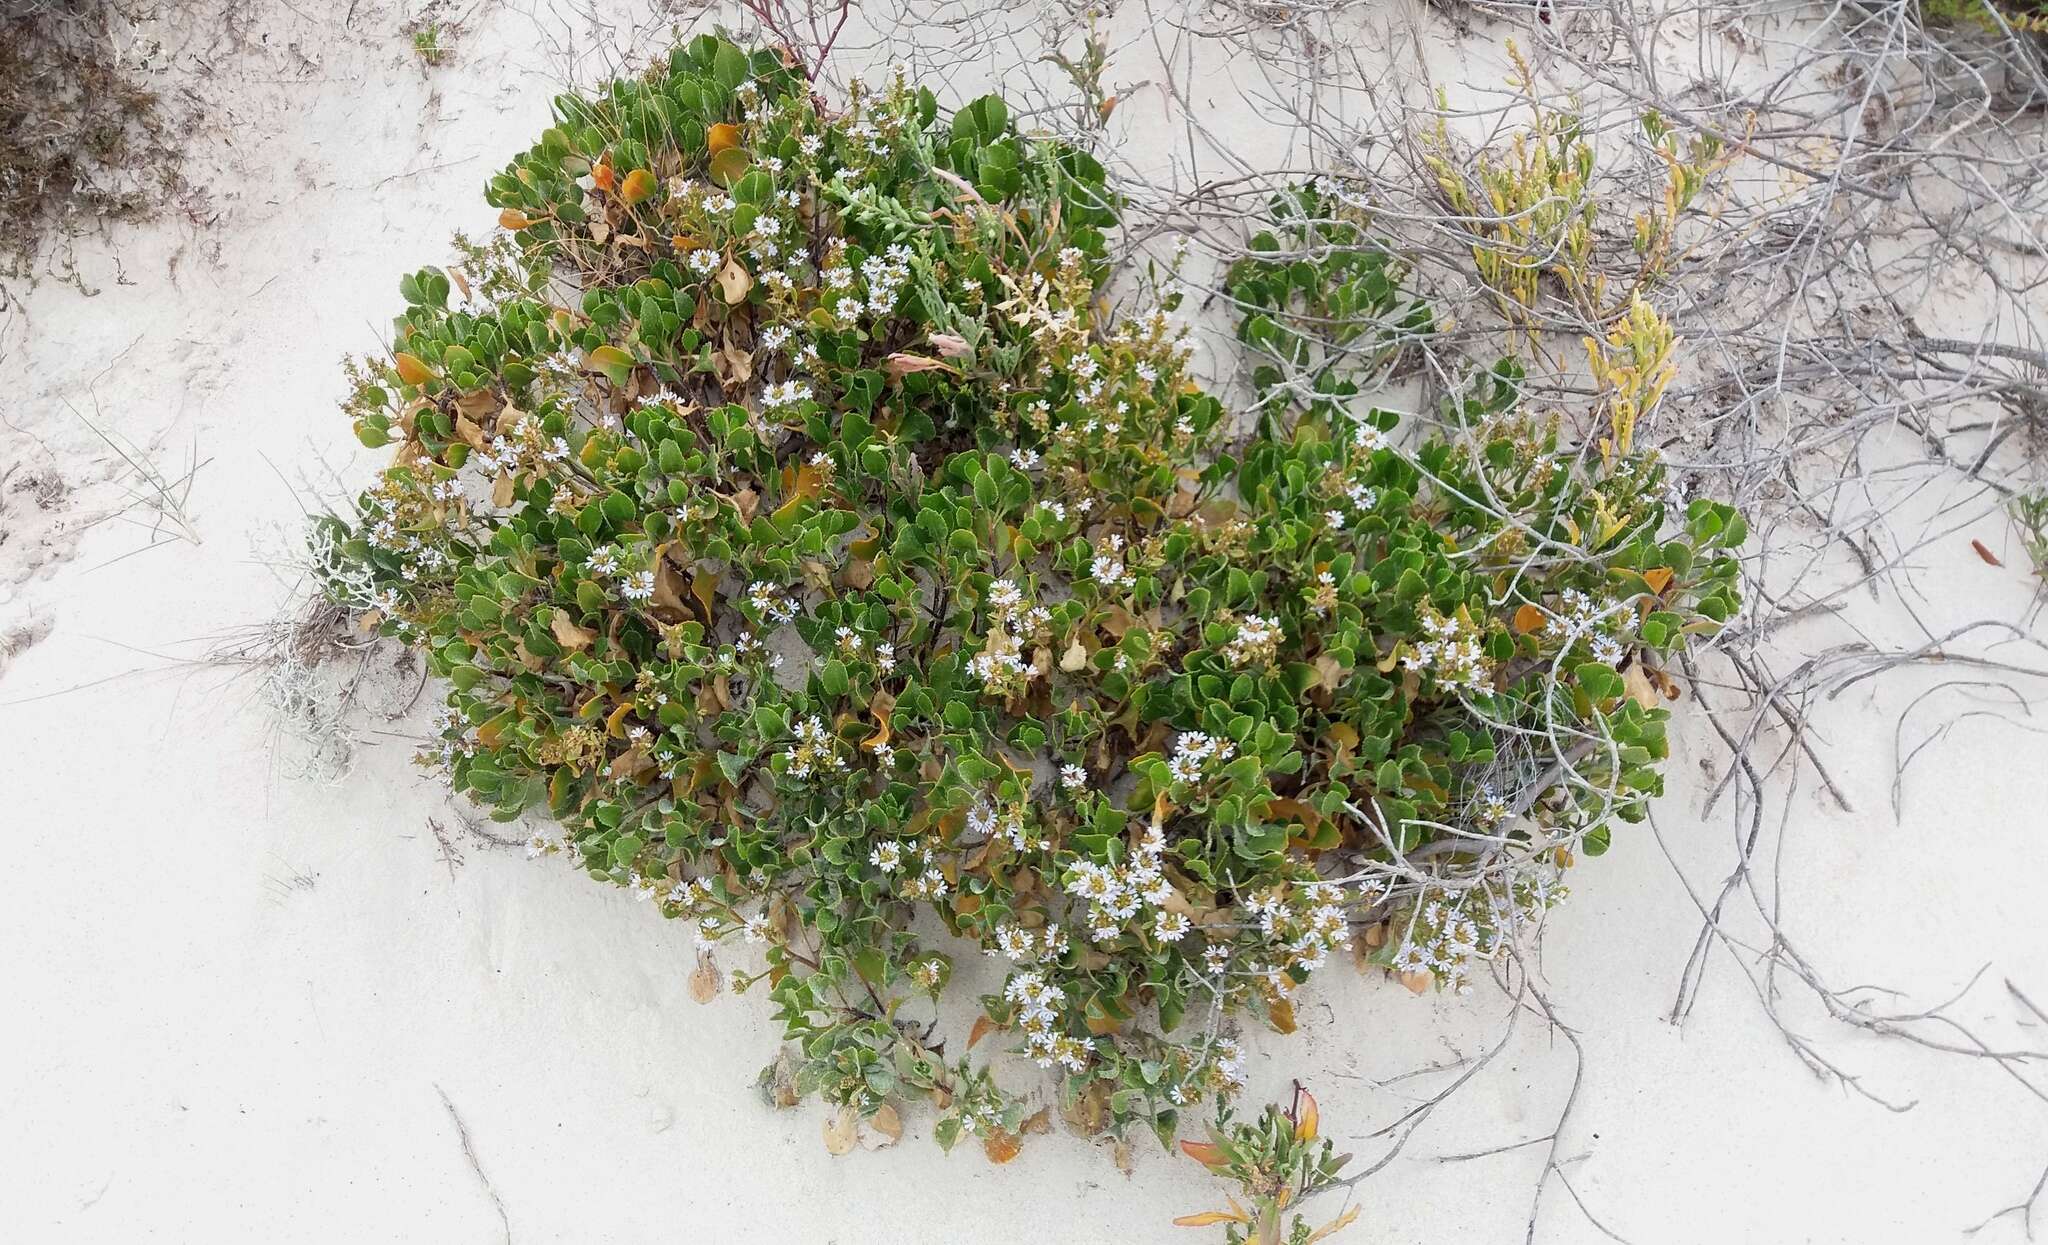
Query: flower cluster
point(1040, 1007)
point(1450, 651)
point(1120, 894)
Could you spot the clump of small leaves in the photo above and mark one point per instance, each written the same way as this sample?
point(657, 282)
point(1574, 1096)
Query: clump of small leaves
point(2024, 16)
point(1275, 1161)
point(791, 522)
point(428, 45)
point(2030, 515)
point(1536, 215)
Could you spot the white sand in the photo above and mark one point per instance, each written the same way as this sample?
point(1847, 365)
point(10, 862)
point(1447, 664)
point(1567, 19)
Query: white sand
point(238, 999)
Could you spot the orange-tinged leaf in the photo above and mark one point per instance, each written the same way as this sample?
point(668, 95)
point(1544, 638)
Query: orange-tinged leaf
point(514, 219)
point(602, 177)
point(1280, 1014)
point(1305, 1127)
point(1528, 618)
point(615, 721)
point(612, 361)
point(1000, 1146)
point(1417, 980)
point(1333, 1227)
point(1658, 578)
point(983, 1026)
point(730, 165)
point(721, 136)
point(413, 370)
point(1208, 1219)
point(1101, 1024)
point(1207, 1153)
point(639, 184)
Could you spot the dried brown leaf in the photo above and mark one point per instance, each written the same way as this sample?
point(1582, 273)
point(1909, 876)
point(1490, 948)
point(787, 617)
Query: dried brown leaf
point(886, 1126)
point(706, 980)
point(734, 281)
point(568, 634)
point(842, 1131)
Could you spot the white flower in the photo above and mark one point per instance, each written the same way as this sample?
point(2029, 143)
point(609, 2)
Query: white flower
point(788, 393)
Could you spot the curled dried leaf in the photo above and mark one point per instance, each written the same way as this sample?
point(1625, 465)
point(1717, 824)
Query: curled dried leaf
point(899, 365)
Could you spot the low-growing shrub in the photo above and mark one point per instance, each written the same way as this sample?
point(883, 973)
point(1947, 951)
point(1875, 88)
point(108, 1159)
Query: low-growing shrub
point(83, 137)
point(2020, 16)
point(790, 521)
